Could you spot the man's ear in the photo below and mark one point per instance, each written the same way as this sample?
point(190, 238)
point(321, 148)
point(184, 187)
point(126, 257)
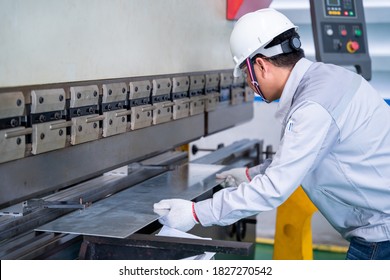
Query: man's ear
point(262, 65)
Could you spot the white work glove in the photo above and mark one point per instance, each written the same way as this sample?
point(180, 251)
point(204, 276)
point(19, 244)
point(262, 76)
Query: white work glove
point(176, 213)
point(234, 177)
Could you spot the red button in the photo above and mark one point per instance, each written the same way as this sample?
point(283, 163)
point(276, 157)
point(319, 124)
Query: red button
point(343, 32)
point(352, 46)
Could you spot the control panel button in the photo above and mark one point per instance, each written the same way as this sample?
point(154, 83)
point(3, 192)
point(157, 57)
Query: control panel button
point(352, 46)
point(337, 45)
point(343, 30)
point(358, 32)
point(329, 32)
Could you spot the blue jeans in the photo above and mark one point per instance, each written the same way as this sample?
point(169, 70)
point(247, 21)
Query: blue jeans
point(363, 250)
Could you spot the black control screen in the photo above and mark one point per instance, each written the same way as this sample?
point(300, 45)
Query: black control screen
point(340, 8)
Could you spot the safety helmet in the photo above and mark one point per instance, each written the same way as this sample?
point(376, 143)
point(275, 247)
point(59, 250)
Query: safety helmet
point(253, 32)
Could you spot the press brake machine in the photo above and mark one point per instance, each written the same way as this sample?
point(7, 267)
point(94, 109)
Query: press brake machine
point(81, 163)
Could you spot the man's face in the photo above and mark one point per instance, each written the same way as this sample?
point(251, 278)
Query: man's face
point(254, 84)
point(268, 78)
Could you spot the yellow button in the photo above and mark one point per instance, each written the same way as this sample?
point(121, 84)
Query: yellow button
point(334, 13)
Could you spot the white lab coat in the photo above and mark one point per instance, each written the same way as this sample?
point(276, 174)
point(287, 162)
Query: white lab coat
point(335, 143)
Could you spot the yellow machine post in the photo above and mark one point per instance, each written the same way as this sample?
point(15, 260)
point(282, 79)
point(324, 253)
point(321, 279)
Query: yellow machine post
point(293, 236)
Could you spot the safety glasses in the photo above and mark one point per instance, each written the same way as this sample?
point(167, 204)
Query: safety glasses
point(248, 65)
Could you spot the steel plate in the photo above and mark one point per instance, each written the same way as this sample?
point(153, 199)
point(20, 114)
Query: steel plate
point(124, 213)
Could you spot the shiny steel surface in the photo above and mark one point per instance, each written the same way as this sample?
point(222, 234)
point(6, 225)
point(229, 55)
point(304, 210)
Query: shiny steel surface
point(130, 210)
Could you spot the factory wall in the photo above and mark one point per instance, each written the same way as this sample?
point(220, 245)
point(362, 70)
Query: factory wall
point(46, 41)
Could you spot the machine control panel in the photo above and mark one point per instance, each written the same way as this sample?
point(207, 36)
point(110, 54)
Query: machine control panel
point(340, 34)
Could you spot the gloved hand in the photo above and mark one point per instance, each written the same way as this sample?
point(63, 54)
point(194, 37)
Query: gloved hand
point(238, 175)
point(228, 182)
point(176, 213)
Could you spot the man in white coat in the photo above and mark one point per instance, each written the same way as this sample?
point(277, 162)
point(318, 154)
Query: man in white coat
point(335, 142)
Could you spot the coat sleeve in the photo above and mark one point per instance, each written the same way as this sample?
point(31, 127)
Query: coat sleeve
point(259, 169)
point(302, 140)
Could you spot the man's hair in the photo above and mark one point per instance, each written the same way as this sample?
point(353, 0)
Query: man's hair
point(284, 59)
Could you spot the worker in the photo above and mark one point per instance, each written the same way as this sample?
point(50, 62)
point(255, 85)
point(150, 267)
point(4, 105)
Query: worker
point(335, 142)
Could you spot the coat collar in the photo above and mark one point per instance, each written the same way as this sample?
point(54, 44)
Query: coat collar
point(291, 86)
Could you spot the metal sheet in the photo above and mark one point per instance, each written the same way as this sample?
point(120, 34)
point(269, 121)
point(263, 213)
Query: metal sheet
point(130, 210)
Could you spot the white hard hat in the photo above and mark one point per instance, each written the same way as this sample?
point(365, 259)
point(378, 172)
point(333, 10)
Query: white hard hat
point(253, 32)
